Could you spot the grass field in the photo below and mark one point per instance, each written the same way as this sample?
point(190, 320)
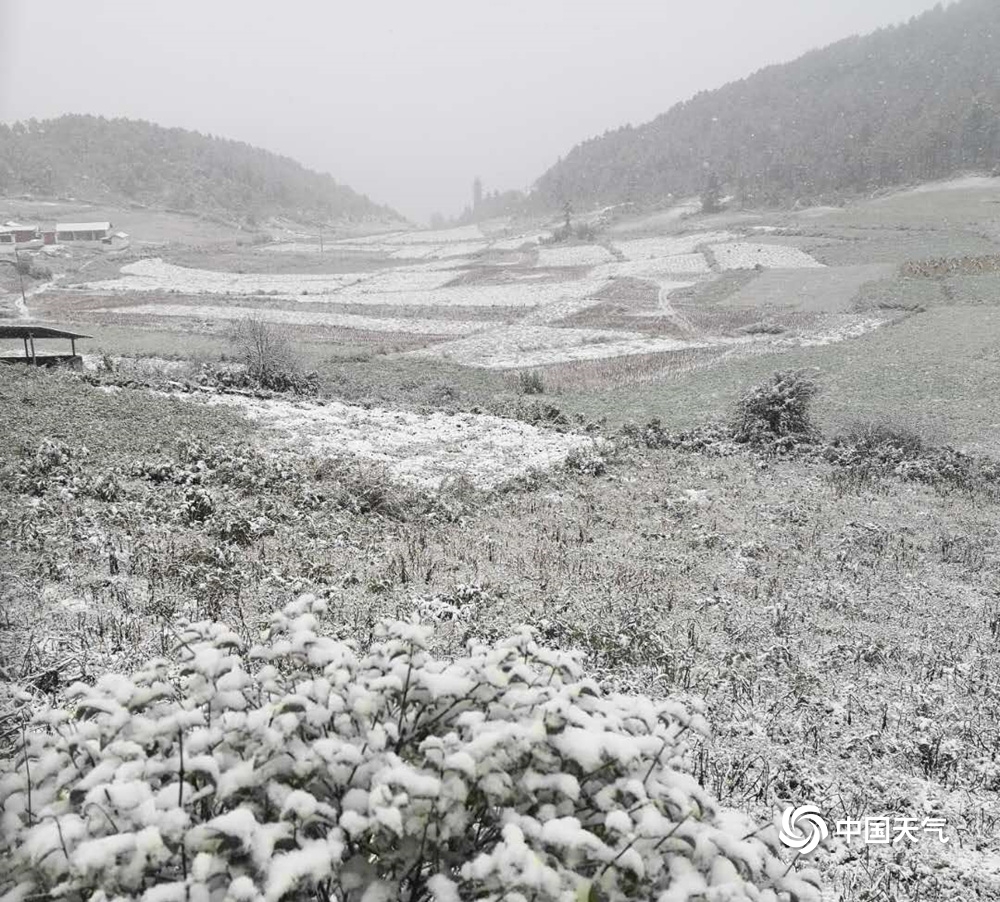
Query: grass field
point(841, 629)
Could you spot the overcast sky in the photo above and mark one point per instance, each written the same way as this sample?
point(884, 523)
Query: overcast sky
point(404, 100)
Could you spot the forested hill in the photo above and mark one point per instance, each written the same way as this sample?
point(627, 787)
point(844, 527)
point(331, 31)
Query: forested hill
point(913, 102)
point(124, 160)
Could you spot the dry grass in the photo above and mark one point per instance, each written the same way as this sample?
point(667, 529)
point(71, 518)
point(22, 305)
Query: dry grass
point(844, 640)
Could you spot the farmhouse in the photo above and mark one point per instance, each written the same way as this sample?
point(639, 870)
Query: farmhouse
point(83, 231)
point(14, 234)
point(28, 334)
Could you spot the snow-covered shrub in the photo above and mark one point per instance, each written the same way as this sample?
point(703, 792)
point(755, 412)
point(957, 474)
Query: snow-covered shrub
point(777, 412)
point(870, 452)
point(586, 460)
point(304, 768)
point(53, 465)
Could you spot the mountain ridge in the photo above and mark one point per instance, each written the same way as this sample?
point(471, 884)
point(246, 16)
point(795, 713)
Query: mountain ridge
point(133, 161)
point(910, 102)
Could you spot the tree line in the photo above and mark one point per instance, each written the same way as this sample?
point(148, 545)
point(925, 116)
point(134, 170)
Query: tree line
point(908, 103)
point(124, 160)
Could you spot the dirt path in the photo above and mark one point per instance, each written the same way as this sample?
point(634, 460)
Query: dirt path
point(667, 310)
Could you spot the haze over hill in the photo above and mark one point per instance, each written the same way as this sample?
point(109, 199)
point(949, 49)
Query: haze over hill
point(129, 161)
point(908, 103)
point(405, 102)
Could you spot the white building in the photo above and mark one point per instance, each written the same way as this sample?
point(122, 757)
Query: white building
point(83, 231)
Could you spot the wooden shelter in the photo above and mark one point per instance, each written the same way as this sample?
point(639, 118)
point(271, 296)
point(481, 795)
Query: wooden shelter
point(28, 334)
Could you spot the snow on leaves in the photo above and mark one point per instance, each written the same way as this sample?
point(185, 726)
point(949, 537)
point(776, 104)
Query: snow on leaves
point(304, 767)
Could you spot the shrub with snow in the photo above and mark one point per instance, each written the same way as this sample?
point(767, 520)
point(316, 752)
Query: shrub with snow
point(777, 412)
point(305, 768)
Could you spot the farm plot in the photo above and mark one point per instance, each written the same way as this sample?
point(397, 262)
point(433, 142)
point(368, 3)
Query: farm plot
point(539, 345)
point(312, 317)
point(517, 242)
point(156, 275)
point(436, 251)
point(663, 219)
point(579, 255)
point(655, 269)
point(308, 247)
point(503, 316)
point(425, 450)
point(830, 289)
point(462, 234)
point(743, 255)
point(521, 294)
point(670, 245)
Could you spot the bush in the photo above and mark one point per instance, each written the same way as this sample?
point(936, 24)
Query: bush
point(871, 452)
point(530, 382)
point(269, 379)
point(588, 461)
point(883, 439)
point(307, 769)
point(777, 412)
point(763, 328)
point(265, 351)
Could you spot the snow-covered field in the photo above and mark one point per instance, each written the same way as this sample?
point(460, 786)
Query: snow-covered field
point(670, 245)
point(309, 317)
point(522, 294)
point(420, 449)
point(579, 255)
point(436, 251)
point(517, 242)
point(743, 255)
point(154, 274)
point(418, 286)
point(539, 345)
point(655, 269)
point(544, 288)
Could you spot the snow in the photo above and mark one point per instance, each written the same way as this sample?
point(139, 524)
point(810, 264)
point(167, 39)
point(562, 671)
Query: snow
point(207, 312)
point(845, 328)
point(443, 889)
point(535, 345)
point(967, 183)
point(419, 286)
point(154, 274)
point(438, 236)
point(743, 255)
point(580, 255)
point(518, 241)
point(313, 861)
point(523, 293)
point(655, 270)
point(672, 265)
point(418, 449)
point(669, 245)
point(301, 247)
point(438, 251)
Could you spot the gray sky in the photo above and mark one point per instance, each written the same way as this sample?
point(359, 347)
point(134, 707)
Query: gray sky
point(404, 100)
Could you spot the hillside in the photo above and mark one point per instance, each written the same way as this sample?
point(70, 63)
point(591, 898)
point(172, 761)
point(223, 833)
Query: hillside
point(129, 161)
point(912, 102)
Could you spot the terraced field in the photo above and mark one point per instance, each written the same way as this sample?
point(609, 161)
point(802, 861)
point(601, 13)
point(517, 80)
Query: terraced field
point(500, 297)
